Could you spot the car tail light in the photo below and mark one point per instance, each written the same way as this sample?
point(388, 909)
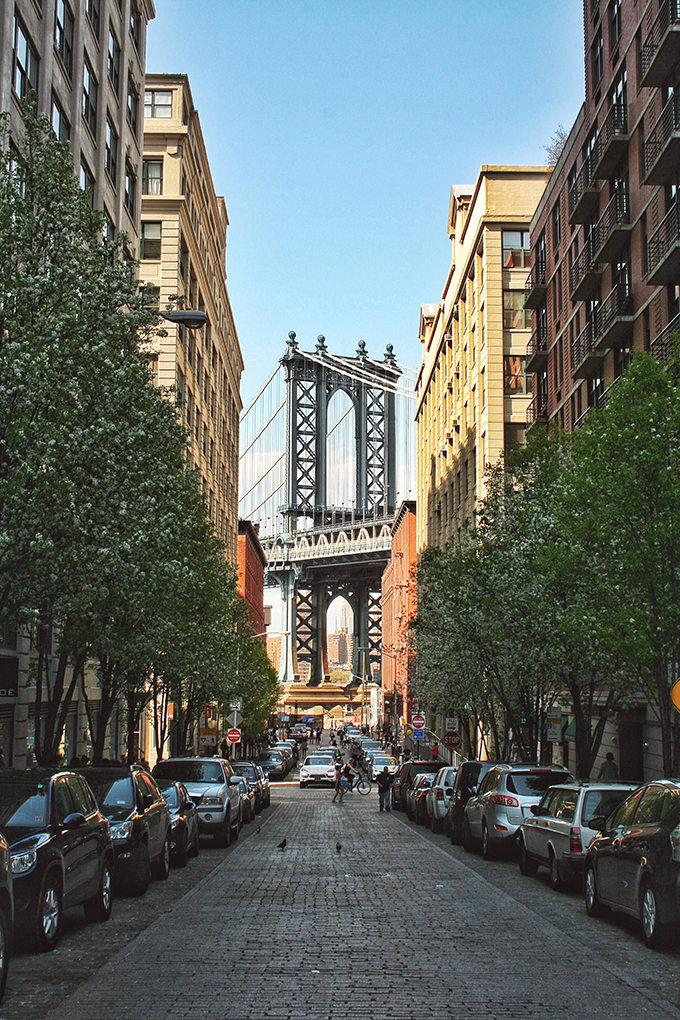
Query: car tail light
point(675, 844)
point(503, 800)
point(575, 845)
point(440, 793)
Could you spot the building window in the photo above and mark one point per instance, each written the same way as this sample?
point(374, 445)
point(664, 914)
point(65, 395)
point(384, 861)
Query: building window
point(63, 34)
point(25, 61)
point(189, 407)
point(60, 124)
point(87, 182)
point(516, 249)
point(135, 24)
point(111, 152)
point(557, 226)
point(514, 315)
point(113, 62)
point(92, 9)
point(150, 244)
point(158, 104)
point(183, 260)
point(614, 24)
point(109, 228)
point(514, 376)
point(90, 96)
point(132, 105)
point(130, 195)
point(597, 55)
point(152, 177)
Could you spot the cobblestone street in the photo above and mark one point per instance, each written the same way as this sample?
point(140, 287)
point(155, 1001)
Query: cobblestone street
point(397, 925)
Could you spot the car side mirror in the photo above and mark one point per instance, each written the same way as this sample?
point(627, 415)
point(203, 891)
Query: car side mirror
point(73, 821)
point(233, 780)
point(535, 809)
point(474, 790)
point(597, 822)
point(147, 801)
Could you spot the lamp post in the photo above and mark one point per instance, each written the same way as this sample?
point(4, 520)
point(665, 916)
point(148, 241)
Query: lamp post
point(192, 318)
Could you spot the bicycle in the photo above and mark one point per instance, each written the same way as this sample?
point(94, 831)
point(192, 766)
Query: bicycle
point(361, 785)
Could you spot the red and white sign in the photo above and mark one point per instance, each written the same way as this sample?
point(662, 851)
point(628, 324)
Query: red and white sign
point(452, 740)
point(233, 736)
point(418, 722)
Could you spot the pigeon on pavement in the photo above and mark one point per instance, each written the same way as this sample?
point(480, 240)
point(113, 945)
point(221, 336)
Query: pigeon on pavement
point(282, 845)
point(338, 847)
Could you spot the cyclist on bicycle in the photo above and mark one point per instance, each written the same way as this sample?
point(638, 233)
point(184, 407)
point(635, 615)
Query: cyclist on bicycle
point(350, 775)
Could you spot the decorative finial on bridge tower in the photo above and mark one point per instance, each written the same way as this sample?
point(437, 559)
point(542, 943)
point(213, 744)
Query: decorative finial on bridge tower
point(390, 358)
point(291, 345)
point(321, 345)
point(362, 353)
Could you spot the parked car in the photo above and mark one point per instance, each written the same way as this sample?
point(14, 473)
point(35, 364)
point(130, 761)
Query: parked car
point(438, 797)
point(559, 830)
point(633, 864)
point(266, 790)
point(286, 755)
point(247, 799)
point(405, 776)
point(140, 823)
point(60, 852)
point(6, 913)
point(212, 787)
point(504, 798)
point(272, 763)
point(416, 808)
point(379, 762)
point(468, 777)
point(250, 771)
point(316, 770)
point(184, 835)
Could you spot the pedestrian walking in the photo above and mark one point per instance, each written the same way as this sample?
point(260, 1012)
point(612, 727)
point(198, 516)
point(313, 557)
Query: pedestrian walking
point(610, 769)
point(339, 788)
point(384, 786)
point(435, 751)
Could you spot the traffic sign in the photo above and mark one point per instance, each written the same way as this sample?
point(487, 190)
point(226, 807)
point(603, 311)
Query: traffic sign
point(234, 718)
point(450, 723)
point(418, 734)
point(234, 736)
point(418, 722)
point(452, 740)
point(675, 695)
point(236, 703)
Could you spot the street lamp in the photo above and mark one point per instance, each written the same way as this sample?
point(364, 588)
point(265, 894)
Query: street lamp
point(192, 318)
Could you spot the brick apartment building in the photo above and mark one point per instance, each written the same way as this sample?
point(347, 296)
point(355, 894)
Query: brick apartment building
point(605, 238)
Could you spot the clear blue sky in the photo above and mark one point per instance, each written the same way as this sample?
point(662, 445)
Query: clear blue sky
point(335, 129)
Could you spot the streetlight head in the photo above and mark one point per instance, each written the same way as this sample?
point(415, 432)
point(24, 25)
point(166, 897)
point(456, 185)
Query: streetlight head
point(192, 318)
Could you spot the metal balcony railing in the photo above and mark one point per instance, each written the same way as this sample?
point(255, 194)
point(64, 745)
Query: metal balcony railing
point(617, 214)
point(619, 302)
point(535, 285)
point(662, 345)
point(655, 63)
point(582, 346)
point(538, 341)
point(537, 409)
point(582, 264)
point(583, 186)
point(612, 136)
point(657, 140)
point(662, 240)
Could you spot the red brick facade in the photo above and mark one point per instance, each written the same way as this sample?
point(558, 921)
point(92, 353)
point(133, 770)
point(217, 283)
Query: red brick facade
point(398, 608)
point(605, 237)
point(251, 566)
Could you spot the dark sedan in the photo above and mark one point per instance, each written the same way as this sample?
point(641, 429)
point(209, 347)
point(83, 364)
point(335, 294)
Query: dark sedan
point(248, 770)
point(273, 764)
point(633, 865)
point(60, 850)
point(405, 777)
point(139, 820)
point(184, 836)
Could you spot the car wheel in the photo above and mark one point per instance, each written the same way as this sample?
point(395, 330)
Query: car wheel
point(466, 837)
point(487, 847)
point(141, 871)
point(161, 868)
point(98, 908)
point(223, 836)
point(654, 934)
point(434, 823)
point(182, 855)
point(556, 879)
point(455, 834)
point(302, 785)
point(594, 908)
point(5, 949)
point(48, 928)
point(526, 865)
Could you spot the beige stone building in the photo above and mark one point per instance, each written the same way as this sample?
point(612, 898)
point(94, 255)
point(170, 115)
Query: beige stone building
point(85, 60)
point(183, 247)
point(471, 394)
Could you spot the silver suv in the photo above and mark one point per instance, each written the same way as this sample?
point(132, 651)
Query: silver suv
point(504, 798)
point(560, 829)
point(213, 787)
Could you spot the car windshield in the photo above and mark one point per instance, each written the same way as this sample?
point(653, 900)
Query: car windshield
point(190, 771)
point(424, 766)
point(323, 759)
point(170, 795)
point(24, 804)
point(112, 792)
point(244, 770)
point(381, 761)
point(533, 784)
point(270, 756)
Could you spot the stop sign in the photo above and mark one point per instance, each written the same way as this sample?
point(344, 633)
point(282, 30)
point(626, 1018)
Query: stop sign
point(452, 740)
point(233, 736)
point(418, 722)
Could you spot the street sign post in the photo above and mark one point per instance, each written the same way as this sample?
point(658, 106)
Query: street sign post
point(450, 723)
point(452, 740)
point(234, 718)
point(236, 703)
point(234, 736)
point(418, 722)
point(418, 734)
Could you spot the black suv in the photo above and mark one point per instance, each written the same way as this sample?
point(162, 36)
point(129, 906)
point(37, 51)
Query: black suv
point(60, 850)
point(139, 820)
point(468, 778)
point(405, 776)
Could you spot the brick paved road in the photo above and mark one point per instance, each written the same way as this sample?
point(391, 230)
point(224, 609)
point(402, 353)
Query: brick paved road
point(397, 926)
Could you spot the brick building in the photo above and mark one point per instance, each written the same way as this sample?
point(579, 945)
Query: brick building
point(606, 235)
point(252, 562)
point(398, 602)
